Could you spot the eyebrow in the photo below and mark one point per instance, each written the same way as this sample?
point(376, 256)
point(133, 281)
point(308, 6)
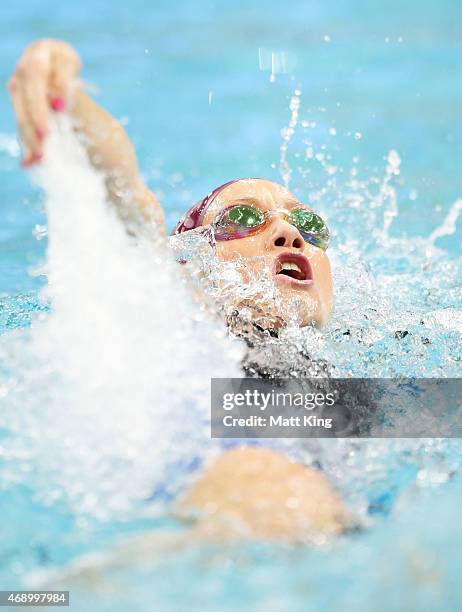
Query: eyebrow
point(247, 201)
point(255, 201)
point(295, 203)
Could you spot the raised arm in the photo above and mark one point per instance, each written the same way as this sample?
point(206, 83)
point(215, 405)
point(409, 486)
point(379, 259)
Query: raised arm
point(46, 80)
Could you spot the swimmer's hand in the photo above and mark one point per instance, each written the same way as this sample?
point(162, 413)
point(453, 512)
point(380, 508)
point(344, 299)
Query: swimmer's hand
point(44, 78)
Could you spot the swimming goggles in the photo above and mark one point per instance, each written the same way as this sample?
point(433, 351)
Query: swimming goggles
point(242, 220)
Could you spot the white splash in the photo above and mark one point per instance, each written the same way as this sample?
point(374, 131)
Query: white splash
point(287, 133)
point(112, 388)
point(449, 224)
point(9, 144)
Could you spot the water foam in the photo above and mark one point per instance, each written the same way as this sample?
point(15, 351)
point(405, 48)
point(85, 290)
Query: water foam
point(105, 394)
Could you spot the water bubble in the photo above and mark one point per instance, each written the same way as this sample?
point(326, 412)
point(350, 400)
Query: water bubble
point(394, 160)
point(40, 231)
point(276, 62)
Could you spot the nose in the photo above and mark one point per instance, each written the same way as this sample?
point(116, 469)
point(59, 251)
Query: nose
point(284, 235)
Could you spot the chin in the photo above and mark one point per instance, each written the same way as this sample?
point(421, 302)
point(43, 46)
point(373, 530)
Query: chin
point(303, 307)
point(306, 307)
point(317, 317)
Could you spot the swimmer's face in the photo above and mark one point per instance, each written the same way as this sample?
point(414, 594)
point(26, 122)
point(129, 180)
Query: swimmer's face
point(298, 269)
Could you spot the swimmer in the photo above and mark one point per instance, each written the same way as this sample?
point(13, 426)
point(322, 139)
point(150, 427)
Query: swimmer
point(248, 491)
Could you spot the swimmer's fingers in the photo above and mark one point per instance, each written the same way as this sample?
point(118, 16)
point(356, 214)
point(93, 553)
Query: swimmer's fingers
point(28, 91)
point(64, 69)
point(26, 131)
point(34, 99)
point(42, 79)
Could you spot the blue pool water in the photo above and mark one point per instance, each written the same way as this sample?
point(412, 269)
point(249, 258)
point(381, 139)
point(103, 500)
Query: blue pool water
point(193, 84)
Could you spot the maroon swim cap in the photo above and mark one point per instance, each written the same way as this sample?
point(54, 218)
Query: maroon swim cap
point(195, 215)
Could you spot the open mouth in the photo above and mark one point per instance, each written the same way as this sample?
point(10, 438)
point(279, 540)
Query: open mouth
point(293, 269)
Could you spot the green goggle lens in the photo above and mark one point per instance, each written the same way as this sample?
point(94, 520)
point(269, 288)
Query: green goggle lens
point(246, 216)
point(311, 226)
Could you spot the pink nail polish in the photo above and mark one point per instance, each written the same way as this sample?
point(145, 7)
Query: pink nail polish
point(40, 133)
point(31, 159)
point(58, 104)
